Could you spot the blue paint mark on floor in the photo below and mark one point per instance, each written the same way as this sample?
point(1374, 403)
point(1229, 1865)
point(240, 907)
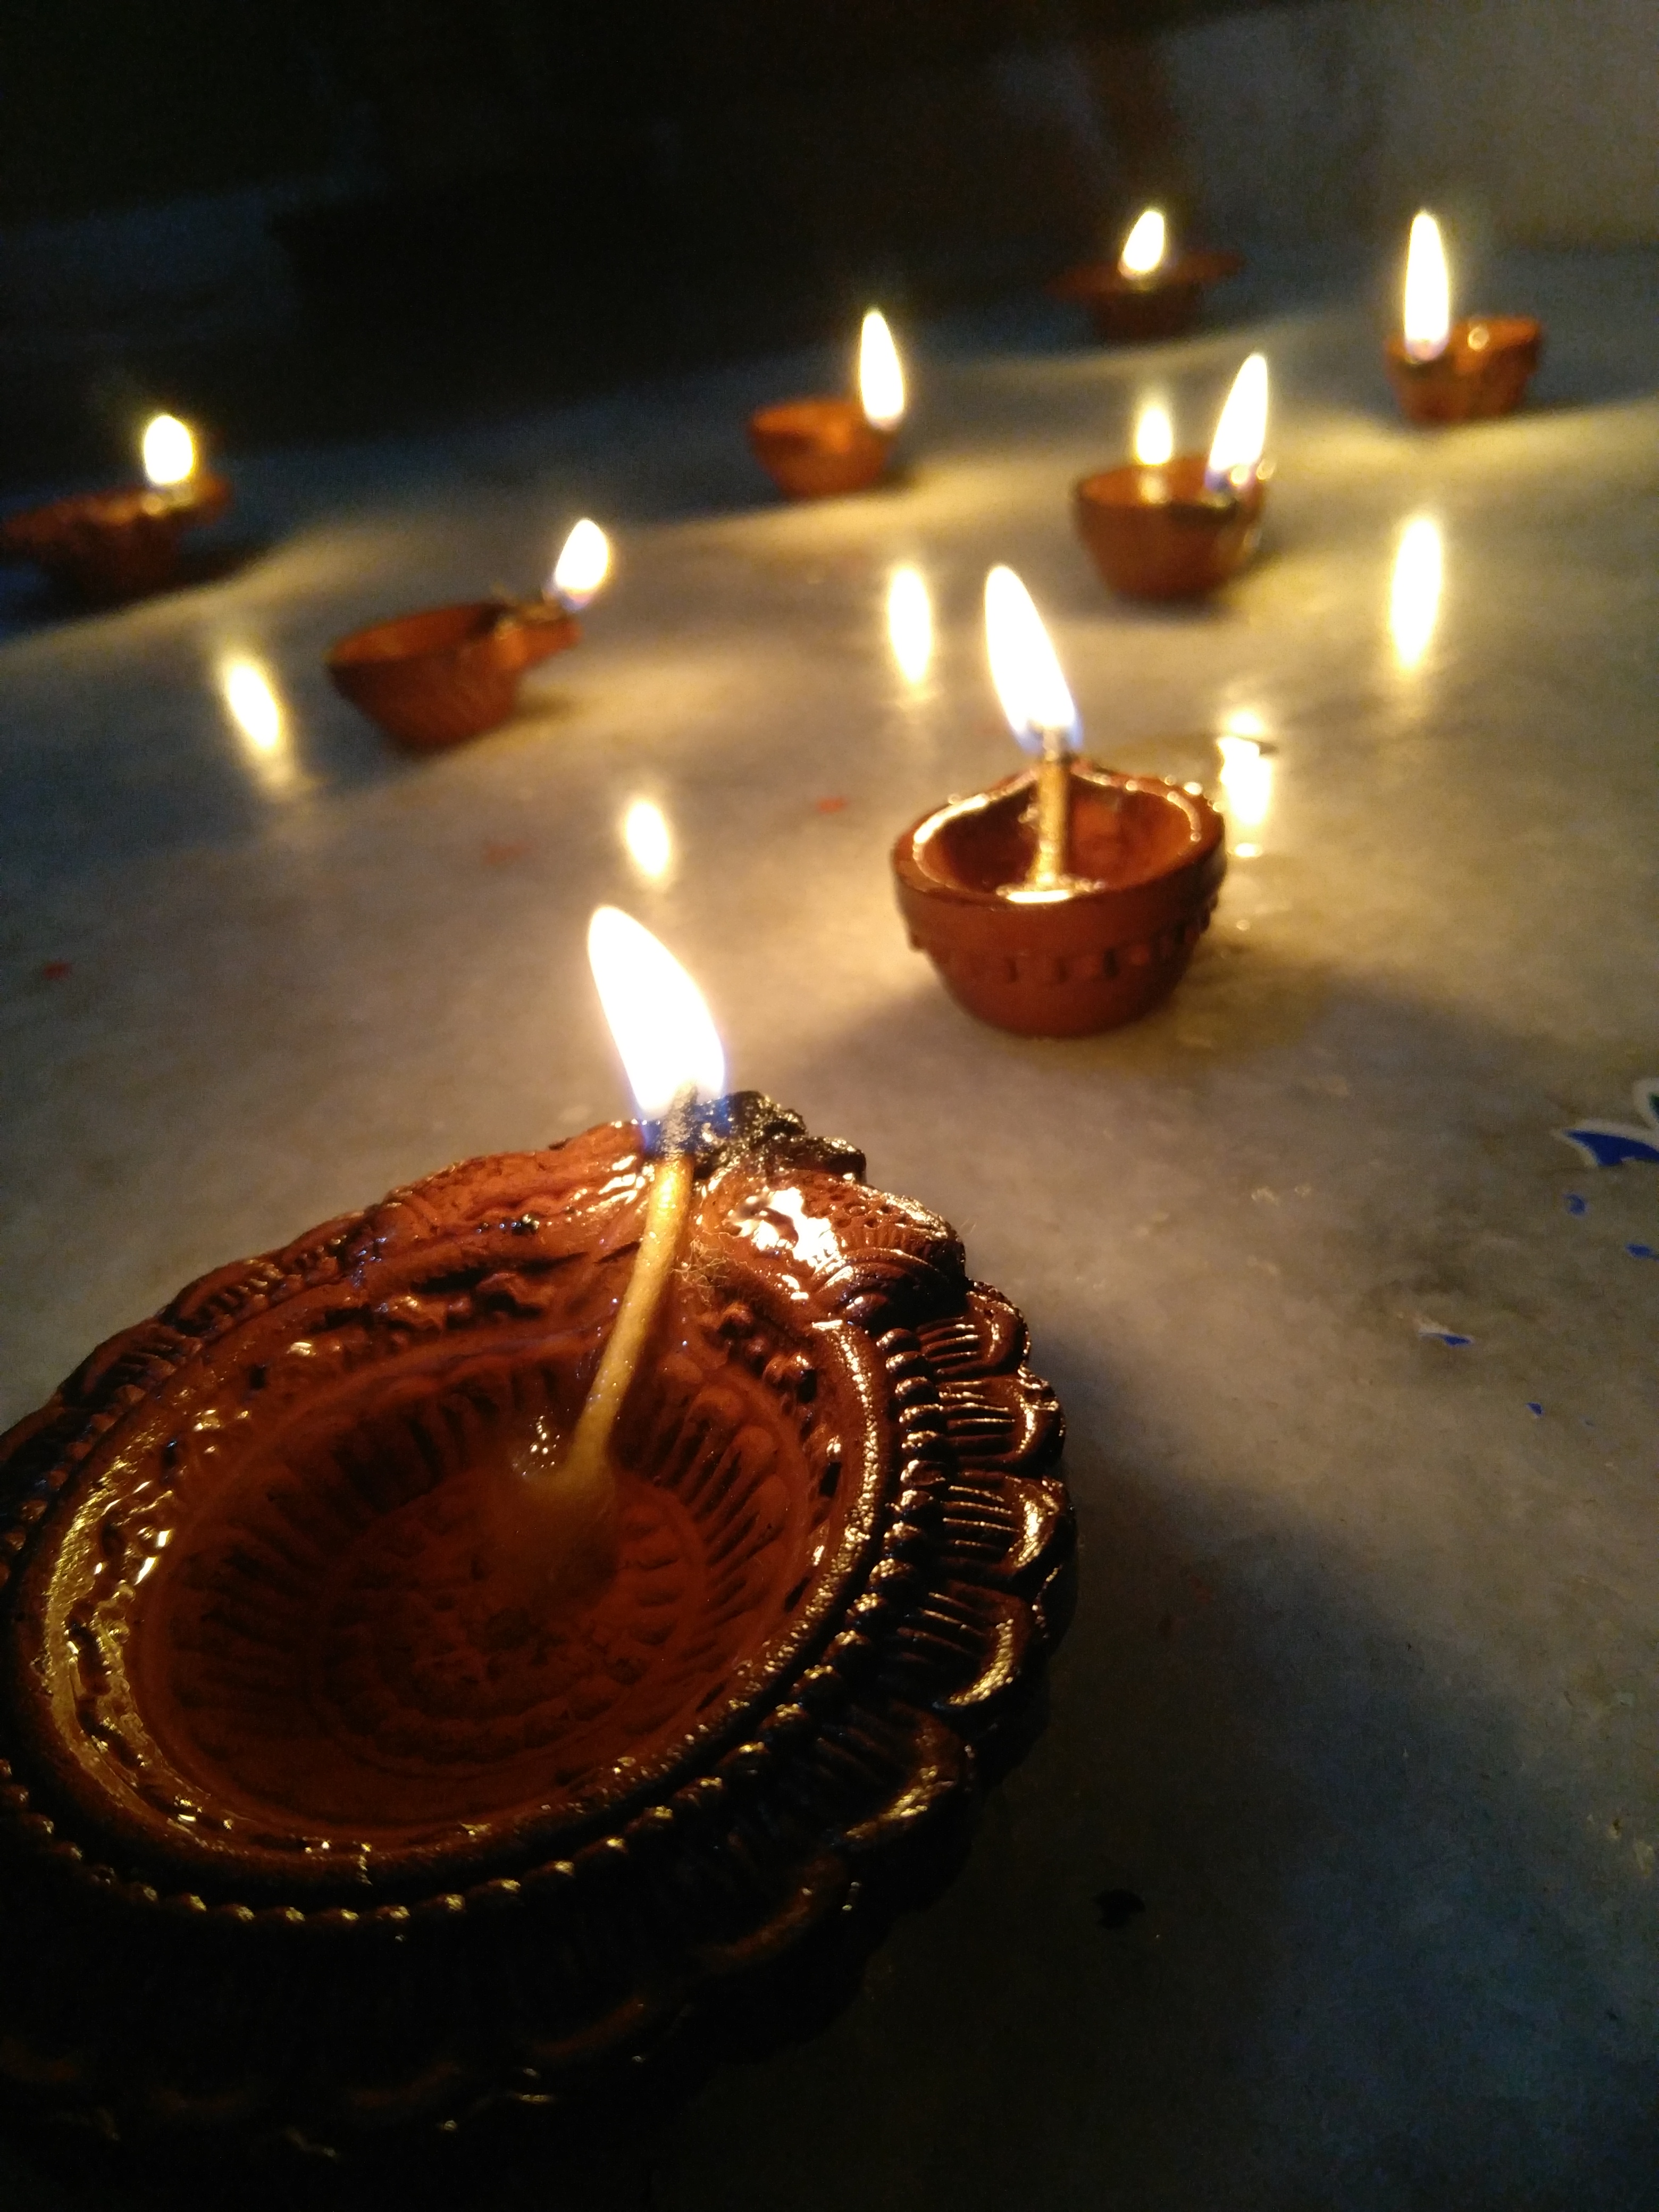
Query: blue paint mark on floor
point(1445, 1336)
point(1535, 1408)
point(1608, 1143)
point(1577, 1205)
point(1611, 1147)
point(1641, 1252)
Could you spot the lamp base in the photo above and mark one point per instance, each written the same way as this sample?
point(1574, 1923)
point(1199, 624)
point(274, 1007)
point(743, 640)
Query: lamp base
point(1102, 948)
point(1488, 362)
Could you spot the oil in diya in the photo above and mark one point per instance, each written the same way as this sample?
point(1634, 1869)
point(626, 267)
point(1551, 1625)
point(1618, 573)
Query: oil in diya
point(105, 546)
point(1152, 291)
point(528, 1634)
point(1066, 899)
point(818, 448)
point(1454, 372)
point(449, 673)
point(1173, 527)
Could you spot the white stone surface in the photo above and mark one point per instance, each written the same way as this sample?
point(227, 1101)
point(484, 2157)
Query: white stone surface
point(1361, 1694)
point(1534, 118)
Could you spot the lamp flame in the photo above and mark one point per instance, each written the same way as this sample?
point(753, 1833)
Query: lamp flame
point(169, 451)
point(1428, 291)
point(1025, 671)
point(662, 1028)
point(1143, 248)
point(1240, 435)
point(583, 564)
point(881, 378)
point(1419, 568)
point(1154, 435)
point(910, 623)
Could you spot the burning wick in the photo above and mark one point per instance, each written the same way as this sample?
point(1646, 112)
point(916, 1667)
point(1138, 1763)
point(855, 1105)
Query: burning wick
point(881, 378)
point(1426, 323)
point(674, 1062)
point(1235, 459)
point(583, 564)
point(169, 453)
point(1043, 720)
point(1143, 248)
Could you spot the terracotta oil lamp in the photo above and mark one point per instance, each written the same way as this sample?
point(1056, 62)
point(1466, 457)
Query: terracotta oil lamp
point(437, 677)
point(1170, 528)
point(1068, 899)
point(513, 1632)
point(819, 449)
point(1150, 291)
point(1454, 372)
point(105, 546)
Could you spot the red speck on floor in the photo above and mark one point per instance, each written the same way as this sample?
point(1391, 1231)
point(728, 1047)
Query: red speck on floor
point(52, 970)
point(498, 852)
point(828, 805)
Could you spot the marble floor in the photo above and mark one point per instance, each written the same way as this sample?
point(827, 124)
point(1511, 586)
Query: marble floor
point(1357, 1354)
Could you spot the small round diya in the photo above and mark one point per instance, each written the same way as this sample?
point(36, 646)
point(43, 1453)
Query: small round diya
point(436, 679)
point(105, 546)
point(1133, 310)
point(1483, 370)
point(818, 448)
point(313, 1819)
point(1146, 864)
point(1156, 534)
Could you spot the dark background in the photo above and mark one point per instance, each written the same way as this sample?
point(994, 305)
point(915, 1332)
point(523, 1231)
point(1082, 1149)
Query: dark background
point(487, 204)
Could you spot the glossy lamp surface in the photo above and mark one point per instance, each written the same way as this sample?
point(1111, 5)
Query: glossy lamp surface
point(112, 545)
point(1156, 534)
point(1089, 960)
point(819, 448)
point(1488, 362)
point(1127, 310)
point(449, 673)
point(316, 1817)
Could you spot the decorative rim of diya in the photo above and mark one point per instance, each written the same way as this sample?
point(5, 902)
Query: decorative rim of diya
point(1163, 303)
point(819, 448)
point(1483, 372)
point(448, 673)
point(1098, 953)
point(835, 1370)
point(117, 543)
point(1184, 541)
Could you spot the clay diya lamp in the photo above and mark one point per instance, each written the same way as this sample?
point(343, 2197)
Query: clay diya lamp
point(326, 1811)
point(1463, 372)
point(1172, 528)
point(1149, 292)
point(449, 673)
point(1068, 899)
point(819, 448)
point(105, 546)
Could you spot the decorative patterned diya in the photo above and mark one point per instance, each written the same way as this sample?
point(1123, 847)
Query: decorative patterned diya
point(1134, 310)
point(436, 679)
point(1484, 370)
point(1155, 532)
point(112, 545)
point(819, 448)
point(310, 1820)
point(1148, 859)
